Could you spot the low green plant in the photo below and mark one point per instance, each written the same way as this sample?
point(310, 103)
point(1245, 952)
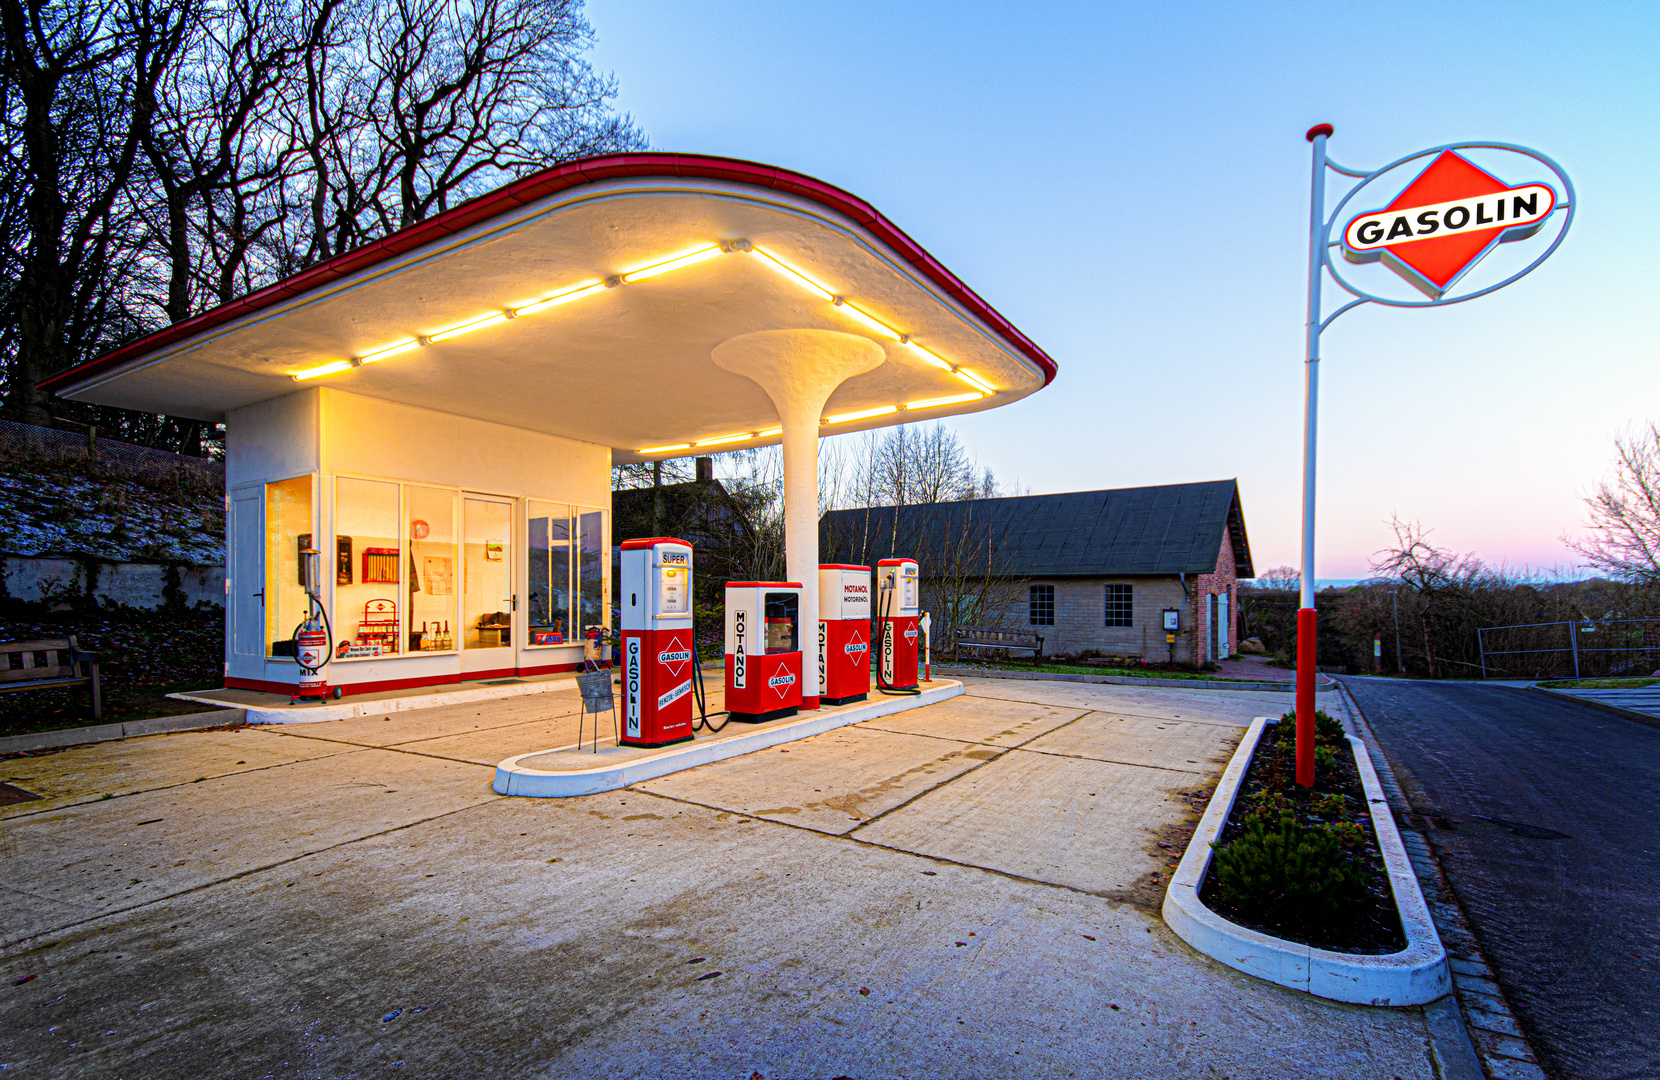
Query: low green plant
point(1283, 872)
point(1330, 806)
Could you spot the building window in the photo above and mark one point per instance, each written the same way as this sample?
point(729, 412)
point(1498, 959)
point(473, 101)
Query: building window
point(1042, 605)
point(430, 527)
point(368, 568)
point(287, 535)
point(1120, 605)
point(550, 575)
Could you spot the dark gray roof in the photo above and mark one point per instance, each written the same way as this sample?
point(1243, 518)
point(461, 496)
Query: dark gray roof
point(1123, 532)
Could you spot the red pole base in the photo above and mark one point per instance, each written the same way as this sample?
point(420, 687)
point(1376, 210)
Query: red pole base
point(1305, 696)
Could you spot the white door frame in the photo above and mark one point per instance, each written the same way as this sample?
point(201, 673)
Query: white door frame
point(504, 658)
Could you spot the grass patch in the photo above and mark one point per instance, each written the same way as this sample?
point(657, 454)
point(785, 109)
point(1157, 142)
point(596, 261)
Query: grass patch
point(1092, 669)
point(1598, 684)
point(142, 656)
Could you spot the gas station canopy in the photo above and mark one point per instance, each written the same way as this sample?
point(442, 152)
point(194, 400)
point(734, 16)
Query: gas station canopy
point(586, 302)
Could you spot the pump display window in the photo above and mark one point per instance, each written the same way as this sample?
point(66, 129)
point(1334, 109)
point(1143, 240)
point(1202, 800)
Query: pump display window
point(429, 597)
point(368, 569)
point(288, 530)
point(782, 615)
point(549, 554)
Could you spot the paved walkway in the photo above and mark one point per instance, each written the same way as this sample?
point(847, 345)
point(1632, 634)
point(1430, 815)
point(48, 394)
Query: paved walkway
point(1646, 700)
point(968, 889)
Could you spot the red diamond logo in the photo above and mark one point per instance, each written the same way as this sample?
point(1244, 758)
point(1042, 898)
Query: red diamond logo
point(1445, 221)
point(675, 656)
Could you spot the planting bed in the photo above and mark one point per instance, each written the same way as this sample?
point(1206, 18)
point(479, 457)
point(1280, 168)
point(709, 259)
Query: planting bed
point(1303, 864)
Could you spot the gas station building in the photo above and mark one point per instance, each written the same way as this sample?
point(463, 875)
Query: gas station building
point(438, 412)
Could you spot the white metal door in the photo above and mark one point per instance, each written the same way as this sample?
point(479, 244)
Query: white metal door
point(1224, 647)
point(245, 587)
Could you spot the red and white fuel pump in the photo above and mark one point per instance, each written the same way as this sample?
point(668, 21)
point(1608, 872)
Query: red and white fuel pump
point(312, 650)
point(897, 611)
point(843, 633)
point(658, 658)
point(763, 649)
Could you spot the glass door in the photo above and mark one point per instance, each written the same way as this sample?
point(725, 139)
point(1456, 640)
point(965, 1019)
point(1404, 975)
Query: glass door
point(488, 618)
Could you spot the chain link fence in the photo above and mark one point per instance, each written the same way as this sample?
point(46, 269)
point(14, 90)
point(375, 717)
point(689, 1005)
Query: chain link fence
point(1577, 649)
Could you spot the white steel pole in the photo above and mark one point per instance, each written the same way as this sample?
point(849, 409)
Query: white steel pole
point(1317, 135)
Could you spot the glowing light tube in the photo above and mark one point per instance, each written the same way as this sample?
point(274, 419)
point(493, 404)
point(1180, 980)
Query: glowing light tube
point(969, 378)
point(955, 399)
point(928, 356)
point(740, 437)
point(862, 414)
point(561, 298)
point(795, 275)
point(868, 319)
point(664, 449)
point(320, 371)
point(401, 347)
point(671, 264)
point(467, 328)
point(769, 433)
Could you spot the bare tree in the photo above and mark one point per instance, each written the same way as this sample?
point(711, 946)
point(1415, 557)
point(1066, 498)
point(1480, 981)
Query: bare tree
point(81, 80)
point(1281, 579)
point(1623, 533)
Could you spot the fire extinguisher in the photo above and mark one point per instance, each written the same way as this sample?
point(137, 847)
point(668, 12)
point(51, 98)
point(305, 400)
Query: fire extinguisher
point(312, 638)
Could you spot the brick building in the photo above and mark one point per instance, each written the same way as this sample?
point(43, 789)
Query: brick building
point(1088, 570)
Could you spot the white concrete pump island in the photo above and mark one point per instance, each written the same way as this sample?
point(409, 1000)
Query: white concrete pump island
point(436, 414)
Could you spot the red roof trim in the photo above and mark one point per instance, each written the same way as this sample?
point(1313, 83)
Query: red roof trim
point(548, 182)
point(650, 542)
point(842, 566)
point(763, 584)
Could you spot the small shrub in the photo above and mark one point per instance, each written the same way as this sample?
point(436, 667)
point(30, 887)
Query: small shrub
point(1330, 806)
point(1289, 874)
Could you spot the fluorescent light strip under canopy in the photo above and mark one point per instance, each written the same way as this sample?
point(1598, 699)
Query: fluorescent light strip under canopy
point(690, 258)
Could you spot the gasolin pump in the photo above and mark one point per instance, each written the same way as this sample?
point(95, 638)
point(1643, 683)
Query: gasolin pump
point(897, 612)
point(763, 649)
point(312, 637)
point(843, 633)
point(658, 659)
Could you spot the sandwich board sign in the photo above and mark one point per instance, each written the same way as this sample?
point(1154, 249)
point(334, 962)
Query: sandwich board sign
point(1432, 217)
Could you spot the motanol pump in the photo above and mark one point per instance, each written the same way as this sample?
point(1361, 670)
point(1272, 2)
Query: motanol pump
point(763, 649)
point(843, 633)
point(897, 612)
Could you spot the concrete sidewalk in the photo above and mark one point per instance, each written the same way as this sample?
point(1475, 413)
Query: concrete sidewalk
point(968, 889)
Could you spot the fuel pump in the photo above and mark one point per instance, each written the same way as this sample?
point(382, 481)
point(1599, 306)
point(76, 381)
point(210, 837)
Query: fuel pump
point(312, 650)
point(659, 661)
point(897, 612)
point(843, 633)
point(763, 649)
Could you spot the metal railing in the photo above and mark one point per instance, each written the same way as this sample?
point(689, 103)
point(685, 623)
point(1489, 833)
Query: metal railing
point(1592, 648)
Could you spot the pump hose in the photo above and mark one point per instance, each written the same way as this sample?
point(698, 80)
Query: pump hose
point(703, 718)
point(887, 627)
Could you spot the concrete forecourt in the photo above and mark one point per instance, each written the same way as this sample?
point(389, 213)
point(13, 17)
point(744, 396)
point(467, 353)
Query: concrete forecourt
point(970, 888)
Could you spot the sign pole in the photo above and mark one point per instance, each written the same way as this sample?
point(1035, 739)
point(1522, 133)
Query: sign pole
point(1306, 616)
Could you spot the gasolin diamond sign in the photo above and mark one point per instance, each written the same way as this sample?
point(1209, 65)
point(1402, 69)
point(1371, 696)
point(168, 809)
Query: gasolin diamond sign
point(1445, 220)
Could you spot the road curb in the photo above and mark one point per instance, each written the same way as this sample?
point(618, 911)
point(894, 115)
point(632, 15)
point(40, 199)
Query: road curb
point(82, 736)
point(1629, 714)
point(515, 778)
point(1131, 680)
point(1416, 975)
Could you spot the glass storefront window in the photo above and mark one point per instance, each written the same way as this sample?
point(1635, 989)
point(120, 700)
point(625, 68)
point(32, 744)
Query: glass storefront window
point(592, 569)
point(368, 569)
point(287, 532)
point(487, 595)
point(429, 515)
point(549, 553)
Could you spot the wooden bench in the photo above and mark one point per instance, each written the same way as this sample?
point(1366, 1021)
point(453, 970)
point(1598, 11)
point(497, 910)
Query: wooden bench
point(991, 637)
point(42, 665)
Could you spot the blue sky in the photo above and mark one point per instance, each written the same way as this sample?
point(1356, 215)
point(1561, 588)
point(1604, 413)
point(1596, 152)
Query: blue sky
point(1129, 185)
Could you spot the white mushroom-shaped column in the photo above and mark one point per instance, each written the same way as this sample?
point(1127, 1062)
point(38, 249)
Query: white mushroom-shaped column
point(799, 370)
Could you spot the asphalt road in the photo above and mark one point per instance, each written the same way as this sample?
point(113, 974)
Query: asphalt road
point(1570, 923)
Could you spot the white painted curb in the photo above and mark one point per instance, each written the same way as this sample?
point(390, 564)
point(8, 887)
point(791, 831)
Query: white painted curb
point(349, 709)
point(515, 778)
point(1414, 976)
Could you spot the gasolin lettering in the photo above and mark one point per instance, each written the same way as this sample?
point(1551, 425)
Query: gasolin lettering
point(631, 686)
point(674, 695)
point(674, 657)
point(1444, 221)
point(783, 678)
point(910, 634)
point(856, 648)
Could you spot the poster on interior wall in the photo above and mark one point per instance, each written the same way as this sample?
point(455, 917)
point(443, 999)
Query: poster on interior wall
point(440, 575)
